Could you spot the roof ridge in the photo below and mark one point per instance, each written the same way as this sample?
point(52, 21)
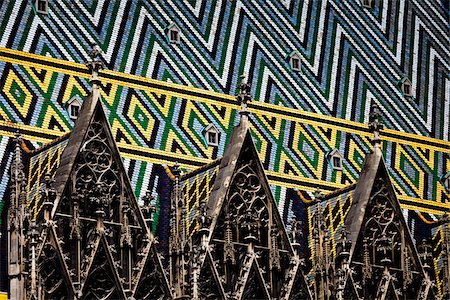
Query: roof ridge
point(205, 167)
point(50, 144)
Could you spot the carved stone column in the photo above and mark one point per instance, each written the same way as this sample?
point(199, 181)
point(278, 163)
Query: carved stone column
point(342, 263)
point(18, 217)
point(178, 257)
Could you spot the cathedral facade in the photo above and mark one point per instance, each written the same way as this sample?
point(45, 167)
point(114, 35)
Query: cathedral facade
point(87, 237)
point(171, 69)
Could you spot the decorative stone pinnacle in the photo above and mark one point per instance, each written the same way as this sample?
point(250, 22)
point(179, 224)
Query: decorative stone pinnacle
point(374, 124)
point(18, 138)
point(176, 170)
point(147, 198)
point(243, 96)
point(318, 195)
point(95, 64)
point(344, 242)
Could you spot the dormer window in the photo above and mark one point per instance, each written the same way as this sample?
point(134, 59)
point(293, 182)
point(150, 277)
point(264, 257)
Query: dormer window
point(73, 107)
point(173, 34)
point(367, 3)
point(211, 135)
point(294, 61)
point(335, 158)
point(405, 87)
point(41, 6)
point(74, 110)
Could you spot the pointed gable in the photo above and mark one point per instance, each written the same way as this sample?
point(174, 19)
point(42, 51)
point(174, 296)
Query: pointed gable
point(103, 282)
point(209, 281)
point(91, 166)
point(241, 186)
point(92, 170)
point(74, 144)
point(255, 287)
point(243, 211)
point(381, 242)
point(96, 210)
point(351, 288)
point(56, 283)
point(296, 286)
point(152, 282)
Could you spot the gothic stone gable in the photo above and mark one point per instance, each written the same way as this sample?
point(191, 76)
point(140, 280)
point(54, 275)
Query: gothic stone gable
point(255, 287)
point(382, 248)
point(151, 284)
point(95, 202)
point(53, 277)
point(103, 280)
point(243, 210)
point(210, 287)
point(295, 286)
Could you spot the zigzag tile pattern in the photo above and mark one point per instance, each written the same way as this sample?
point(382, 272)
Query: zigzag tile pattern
point(40, 164)
point(350, 55)
point(163, 123)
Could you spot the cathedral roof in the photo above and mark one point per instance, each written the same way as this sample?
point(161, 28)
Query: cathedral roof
point(196, 186)
point(76, 138)
point(44, 160)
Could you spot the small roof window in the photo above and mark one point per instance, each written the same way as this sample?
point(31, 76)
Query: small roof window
point(405, 87)
point(367, 3)
point(295, 61)
point(41, 6)
point(73, 106)
point(335, 158)
point(212, 135)
point(173, 34)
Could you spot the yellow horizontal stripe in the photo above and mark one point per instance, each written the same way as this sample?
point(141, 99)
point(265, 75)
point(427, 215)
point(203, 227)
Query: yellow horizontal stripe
point(322, 120)
point(261, 109)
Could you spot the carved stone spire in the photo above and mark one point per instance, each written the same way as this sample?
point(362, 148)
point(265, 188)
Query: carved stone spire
point(322, 253)
point(274, 250)
point(294, 235)
point(203, 221)
point(249, 227)
point(243, 97)
point(178, 260)
point(94, 65)
point(367, 266)
point(228, 252)
point(18, 216)
point(18, 179)
point(374, 124)
point(33, 237)
point(343, 263)
point(75, 236)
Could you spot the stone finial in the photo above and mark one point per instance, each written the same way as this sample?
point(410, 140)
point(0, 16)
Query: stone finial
point(95, 64)
point(176, 171)
point(374, 124)
point(243, 97)
point(318, 195)
point(18, 178)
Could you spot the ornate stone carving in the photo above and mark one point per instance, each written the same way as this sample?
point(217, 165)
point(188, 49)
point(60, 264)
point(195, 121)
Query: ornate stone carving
point(97, 177)
point(247, 207)
point(52, 282)
point(101, 282)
